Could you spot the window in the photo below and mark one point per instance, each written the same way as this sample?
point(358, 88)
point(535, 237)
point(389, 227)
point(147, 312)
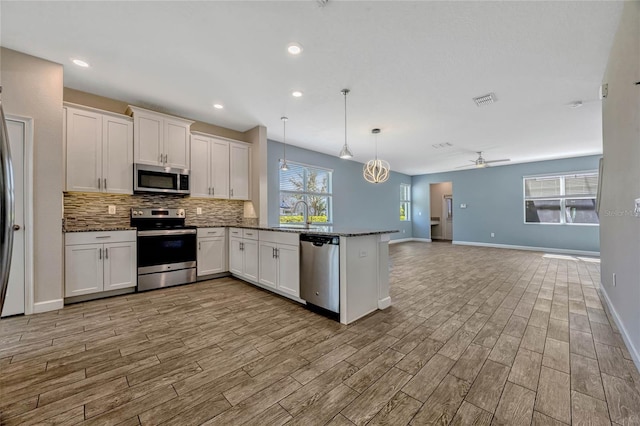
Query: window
point(563, 199)
point(309, 184)
point(405, 202)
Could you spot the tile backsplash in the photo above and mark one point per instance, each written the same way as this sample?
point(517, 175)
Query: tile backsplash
point(87, 209)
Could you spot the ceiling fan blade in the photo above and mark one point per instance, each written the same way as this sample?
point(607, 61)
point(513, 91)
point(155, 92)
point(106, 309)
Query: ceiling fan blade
point(465, 167)
point(498, 161)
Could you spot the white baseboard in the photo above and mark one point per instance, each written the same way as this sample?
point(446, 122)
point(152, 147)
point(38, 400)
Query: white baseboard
point(406, 240)
point(384, 303)
point(635, 353)
point(529, 248)
point(49, 305)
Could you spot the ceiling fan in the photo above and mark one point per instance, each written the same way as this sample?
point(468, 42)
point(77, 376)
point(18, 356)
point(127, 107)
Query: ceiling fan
point(480, 162)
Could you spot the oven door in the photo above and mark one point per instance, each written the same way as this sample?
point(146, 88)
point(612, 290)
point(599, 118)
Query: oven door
point(163, 250)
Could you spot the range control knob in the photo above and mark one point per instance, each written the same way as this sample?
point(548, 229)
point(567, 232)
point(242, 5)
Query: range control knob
point(140, 212)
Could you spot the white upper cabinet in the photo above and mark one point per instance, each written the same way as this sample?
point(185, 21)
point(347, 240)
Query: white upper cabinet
point(239, 171)
point(219, 168)
point(99, 151)
point(117, 155)
point(200, 184)
point(160, 139)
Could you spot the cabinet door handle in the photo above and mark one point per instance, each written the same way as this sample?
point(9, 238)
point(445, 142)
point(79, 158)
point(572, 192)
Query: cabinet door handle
point(231, 192)
point(277, 253)
point(99, 183)
point(103, 236)
point(213, 190)
point(166, 158)
point(99, 254)
point(160, 161)
point(273, 252)
point(242, 246)
point(106, 253)
point(105, 184)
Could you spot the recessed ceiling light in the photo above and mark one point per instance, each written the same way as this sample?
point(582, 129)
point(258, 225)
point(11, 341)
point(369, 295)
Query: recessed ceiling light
point(80, 63)
point(294, 48)
point(218, 106)
point(296, 94)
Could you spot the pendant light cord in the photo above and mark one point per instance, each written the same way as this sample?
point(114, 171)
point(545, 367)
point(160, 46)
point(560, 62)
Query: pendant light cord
point(345, 116)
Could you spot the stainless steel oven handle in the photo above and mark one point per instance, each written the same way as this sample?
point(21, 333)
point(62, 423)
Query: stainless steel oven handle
point(159, 233)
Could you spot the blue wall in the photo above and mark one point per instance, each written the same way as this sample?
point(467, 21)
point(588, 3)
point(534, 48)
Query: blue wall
point(494, 199)
point(356, 203)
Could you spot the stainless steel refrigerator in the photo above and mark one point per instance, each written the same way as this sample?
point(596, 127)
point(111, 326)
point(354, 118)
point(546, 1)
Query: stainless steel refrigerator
point(6, 207)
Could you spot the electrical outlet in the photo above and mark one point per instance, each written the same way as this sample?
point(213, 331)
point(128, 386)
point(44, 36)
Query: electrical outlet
point(363, 253)
point(198, 210)
point(636, 208)
point(493, 235)
point(112, 209)
point(614, 279)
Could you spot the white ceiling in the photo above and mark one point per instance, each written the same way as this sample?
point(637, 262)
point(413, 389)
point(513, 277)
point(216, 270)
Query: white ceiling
point(412, 67)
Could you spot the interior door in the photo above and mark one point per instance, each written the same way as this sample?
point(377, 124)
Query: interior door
point(14, 301)
point(447, 215)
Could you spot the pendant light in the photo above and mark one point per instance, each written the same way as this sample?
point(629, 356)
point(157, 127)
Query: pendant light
point(376, 171)
point(284, 166)
point(345, 152)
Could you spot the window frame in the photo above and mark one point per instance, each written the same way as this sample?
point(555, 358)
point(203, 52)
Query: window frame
point(305, 194)
point(562, 197)
point(405, 201)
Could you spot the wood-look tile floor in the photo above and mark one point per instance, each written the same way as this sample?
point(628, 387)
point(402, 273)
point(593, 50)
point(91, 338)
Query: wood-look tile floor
point(474, 336)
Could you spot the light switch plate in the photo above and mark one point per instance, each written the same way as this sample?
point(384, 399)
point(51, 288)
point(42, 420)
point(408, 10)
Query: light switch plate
point(463, 206)
point(112, 209)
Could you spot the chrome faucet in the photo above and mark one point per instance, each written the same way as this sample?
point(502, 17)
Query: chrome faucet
point(307, 221)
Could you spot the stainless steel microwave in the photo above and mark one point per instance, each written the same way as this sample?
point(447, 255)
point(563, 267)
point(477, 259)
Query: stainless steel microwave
point(160, 179)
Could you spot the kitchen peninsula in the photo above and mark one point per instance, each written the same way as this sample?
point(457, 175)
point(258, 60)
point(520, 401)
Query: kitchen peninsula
point(363, 264)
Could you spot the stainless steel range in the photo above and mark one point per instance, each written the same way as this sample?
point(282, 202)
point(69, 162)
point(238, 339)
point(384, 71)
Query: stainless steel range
point(166, 248)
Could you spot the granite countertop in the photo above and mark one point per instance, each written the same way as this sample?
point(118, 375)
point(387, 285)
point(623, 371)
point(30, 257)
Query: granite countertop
point(322, 230)
point(318, 230)
point(93, 228)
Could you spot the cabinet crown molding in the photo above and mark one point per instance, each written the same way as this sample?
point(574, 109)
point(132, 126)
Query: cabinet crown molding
point(96, 110)
point(131, 110)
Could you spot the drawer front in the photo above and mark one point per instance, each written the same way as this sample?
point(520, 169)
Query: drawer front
point(73, 238)
point(291, 238)
point(235, 232)
point(250, 234)
point(210, 232)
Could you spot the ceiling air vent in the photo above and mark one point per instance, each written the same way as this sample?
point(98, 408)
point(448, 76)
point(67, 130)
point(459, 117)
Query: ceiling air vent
point(485, 100)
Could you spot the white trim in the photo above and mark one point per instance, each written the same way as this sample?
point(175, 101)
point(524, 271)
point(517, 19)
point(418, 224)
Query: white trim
point(29, 306)
point(529, 248)
point(49, 305)
point(384, 303)
point(406, 240)
point(99, 111)
point(635, 353)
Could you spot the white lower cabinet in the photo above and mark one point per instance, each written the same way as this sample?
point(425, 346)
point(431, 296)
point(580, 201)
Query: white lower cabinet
point(243, 253)
point(212, 251)
point(280, 261)
point(99, 261)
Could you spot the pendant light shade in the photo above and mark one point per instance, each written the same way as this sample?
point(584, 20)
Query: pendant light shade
point(376, 171)
point(345, 152)
point(284, 166)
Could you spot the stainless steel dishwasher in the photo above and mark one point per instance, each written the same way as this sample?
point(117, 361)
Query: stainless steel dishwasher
point(320, 271)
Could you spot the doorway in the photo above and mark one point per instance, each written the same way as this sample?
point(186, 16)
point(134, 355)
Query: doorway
point(441, 202)
point(18, 298)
